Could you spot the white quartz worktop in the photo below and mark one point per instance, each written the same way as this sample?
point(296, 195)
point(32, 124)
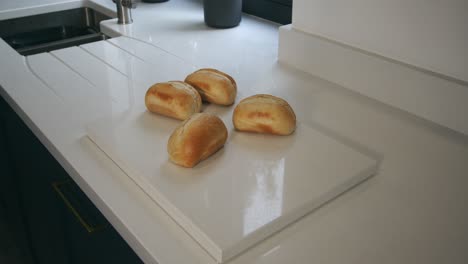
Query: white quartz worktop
point(414, 211)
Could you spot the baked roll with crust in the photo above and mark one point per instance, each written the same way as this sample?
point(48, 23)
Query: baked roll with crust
point(214, 86)
point(175, 99)
point(196, 139)
point(264, 113)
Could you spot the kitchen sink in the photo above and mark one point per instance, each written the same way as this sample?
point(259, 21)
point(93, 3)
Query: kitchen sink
point(51, 31)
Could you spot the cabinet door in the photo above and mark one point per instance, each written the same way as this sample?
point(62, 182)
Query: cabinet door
point(62, 224)
point(9, 196)
point(33, 167)
point(5, 173)
point(91, 238)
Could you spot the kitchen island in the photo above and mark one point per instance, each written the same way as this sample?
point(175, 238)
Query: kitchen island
point(413, 211)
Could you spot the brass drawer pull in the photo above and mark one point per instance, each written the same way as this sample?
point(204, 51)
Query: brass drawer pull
point(64, 188)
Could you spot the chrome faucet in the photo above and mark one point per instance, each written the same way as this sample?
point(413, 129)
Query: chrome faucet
point(124, 14)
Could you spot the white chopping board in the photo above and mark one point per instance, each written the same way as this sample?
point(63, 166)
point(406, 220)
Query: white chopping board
point(253, 187)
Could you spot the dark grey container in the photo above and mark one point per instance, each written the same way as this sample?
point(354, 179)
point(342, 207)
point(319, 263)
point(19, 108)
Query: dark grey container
point(222, 13)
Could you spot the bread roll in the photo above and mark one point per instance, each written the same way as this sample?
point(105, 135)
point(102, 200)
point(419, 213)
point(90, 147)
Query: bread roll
point(263, 113)
point(174, 99)
point(214, 86)
point(196, 139)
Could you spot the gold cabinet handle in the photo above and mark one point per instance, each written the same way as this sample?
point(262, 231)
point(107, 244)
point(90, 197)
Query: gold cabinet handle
point(59, 187)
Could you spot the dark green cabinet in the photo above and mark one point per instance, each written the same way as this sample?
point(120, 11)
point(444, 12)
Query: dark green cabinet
point(91, 239)
point(5, 172)
point(10, 204)
point(34, 170)
point(59, 223)
point(279, 11)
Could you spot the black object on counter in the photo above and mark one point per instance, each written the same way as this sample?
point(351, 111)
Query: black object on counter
point(222, 13)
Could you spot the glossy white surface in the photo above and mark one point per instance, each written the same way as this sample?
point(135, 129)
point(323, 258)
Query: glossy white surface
point(248, 190)
point(414, 211)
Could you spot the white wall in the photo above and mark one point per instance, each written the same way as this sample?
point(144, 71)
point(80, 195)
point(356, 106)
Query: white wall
point(431, 34)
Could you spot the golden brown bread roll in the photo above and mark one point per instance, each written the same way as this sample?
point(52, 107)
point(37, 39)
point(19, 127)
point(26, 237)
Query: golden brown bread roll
point(196, 139)
point(174, 99)
point(263, 113)
point(214, 86)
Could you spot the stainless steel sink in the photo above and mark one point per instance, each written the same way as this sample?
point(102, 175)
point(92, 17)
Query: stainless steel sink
point(51, 31)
